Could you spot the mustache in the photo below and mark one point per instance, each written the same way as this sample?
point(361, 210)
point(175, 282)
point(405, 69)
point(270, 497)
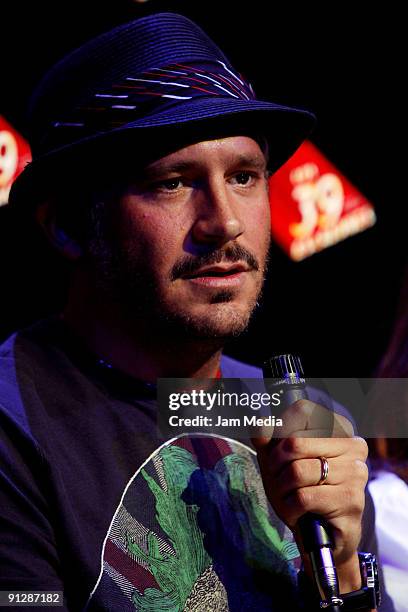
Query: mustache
point(189, 265)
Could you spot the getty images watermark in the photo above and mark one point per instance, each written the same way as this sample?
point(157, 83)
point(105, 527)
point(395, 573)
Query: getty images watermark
point(246, 408)
point(230, 407)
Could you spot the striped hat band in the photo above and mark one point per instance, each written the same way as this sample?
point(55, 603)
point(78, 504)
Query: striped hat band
point(138, 95)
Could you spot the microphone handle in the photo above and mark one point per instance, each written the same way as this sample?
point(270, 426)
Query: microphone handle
point(285, 373)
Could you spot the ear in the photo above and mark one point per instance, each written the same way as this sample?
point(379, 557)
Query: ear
point(46, 217)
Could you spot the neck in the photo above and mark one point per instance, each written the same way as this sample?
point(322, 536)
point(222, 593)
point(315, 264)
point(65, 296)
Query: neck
point(135, 347)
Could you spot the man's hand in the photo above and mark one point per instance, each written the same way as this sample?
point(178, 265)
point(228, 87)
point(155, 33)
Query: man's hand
point(291, 468)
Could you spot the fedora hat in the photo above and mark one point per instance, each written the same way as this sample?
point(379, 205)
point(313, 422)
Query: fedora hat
point(144, 80)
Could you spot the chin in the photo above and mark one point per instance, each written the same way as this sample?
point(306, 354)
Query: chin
point(221, 320)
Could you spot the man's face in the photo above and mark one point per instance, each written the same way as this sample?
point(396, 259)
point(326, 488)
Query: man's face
point(190, 239)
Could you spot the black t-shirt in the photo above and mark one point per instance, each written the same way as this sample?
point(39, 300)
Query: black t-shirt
point(95, 504)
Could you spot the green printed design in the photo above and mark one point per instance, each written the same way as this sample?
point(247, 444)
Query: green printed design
point(176, 574)
point(260, 530)
point(226, 498)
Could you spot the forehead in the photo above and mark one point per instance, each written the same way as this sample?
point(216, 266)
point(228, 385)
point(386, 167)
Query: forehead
point(217, 151)
point(108, 171)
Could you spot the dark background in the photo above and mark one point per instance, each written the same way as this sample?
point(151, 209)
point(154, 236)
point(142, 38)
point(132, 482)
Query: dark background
point(336, 308)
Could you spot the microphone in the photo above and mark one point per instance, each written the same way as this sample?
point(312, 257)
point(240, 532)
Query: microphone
point(289, 381)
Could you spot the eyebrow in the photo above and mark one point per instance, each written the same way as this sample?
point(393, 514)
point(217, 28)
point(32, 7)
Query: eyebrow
point(254, 161)
point(180, 166)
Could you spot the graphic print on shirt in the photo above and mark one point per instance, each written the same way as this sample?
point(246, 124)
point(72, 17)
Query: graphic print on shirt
point(194, 531)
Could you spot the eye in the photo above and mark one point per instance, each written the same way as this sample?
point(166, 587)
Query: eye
point(169, 185)
point(244, 178)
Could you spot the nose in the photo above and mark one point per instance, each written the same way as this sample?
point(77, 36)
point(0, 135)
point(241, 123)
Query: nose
point(218, 220)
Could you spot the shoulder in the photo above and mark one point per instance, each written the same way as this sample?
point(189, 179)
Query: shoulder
point(22, 358)
point(19, 445)
point(11, 405)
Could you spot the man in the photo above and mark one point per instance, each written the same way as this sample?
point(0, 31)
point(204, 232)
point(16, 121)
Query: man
point(168, 242)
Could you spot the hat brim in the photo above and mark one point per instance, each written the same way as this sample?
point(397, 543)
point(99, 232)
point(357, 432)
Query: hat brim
point(284, 128)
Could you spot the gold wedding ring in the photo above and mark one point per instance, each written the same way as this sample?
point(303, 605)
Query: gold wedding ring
point(325, 470)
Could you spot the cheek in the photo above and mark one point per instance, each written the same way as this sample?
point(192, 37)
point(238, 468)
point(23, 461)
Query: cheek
point(263, 216)
point(156, 236)
point(264, 209)
point(258, 224)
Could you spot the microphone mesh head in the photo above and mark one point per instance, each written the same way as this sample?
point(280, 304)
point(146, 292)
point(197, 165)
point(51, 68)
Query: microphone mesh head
point(287, 368)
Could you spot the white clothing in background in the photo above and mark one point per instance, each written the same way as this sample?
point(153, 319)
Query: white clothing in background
point(390, 495)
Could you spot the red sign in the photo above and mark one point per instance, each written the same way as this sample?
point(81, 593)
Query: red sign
point(313, 206)
point(14, 155)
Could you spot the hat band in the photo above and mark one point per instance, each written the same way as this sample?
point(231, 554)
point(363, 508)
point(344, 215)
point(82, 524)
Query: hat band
point(138, 96)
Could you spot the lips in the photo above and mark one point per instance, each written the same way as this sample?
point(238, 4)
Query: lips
point(217, 271)
point(221, 277)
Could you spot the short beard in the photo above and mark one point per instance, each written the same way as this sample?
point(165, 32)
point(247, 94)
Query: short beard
point(120, 279)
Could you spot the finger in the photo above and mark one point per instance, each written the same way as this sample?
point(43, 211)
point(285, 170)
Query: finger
point(262, 438)
point(291, 449)
point(330, 502)
point(316, 433)
point(304, 419)
point(305, 415)
point(308, 472)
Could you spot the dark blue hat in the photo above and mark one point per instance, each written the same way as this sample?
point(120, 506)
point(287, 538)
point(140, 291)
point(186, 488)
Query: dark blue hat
point(144, 78)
